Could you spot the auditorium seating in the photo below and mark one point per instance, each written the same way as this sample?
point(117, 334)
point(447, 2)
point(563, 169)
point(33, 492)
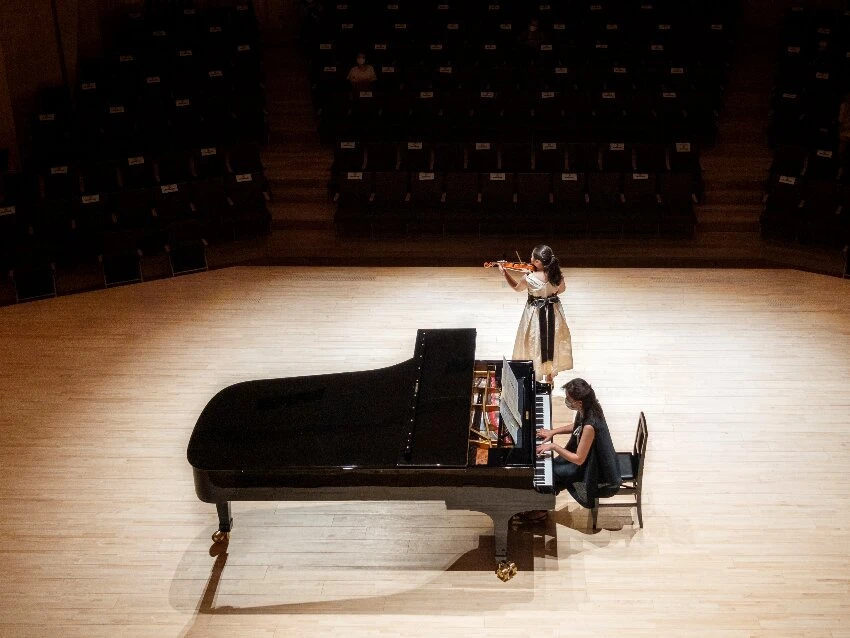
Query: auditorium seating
point(609, 90)
point(808, 189)
point(469, 189)
point(163, 134)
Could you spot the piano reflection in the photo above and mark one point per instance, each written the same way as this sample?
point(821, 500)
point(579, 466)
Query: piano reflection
point(439, 426)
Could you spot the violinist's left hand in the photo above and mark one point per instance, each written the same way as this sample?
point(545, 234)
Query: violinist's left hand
point(545, 447)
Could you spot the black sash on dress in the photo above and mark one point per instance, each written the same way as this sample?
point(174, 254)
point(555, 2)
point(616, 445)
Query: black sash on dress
point(546, 318)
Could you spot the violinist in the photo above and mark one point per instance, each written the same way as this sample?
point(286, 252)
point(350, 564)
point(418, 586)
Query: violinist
point(543, 336)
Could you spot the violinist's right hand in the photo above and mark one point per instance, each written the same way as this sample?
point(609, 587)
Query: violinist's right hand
point(544, 434)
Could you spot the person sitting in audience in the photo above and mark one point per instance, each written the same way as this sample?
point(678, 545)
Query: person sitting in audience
point(532, 37)
point(362, 76)
point(587, 465)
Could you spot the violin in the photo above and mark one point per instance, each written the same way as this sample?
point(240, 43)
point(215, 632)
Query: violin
point(520, 266)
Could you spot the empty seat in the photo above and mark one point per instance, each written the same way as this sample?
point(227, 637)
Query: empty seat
point(582, 158)
point(822, 164)
point(120, 259)
point(382, 156)
point(462, 202)
point(174, 167)
point(678, 197)
point(186, 247)
point(416, 156)
point(354, 200)
point(211, 206)
point(99, 177)
point(650, 158)
point(449, 157)
point(497, 201)
point(133, 212)
point(570, 201)
point(137, 172)
point(482, 156)
point(789, 160)
point(822, 217)
point(549, 157)
point(641, 202)
point(249, 214)
point(616, 157)
point(605, 203)
point(349, 155)
point(534, 193)
point(426, 201)
point(244, 158)
point(172, 203)
point(208, 162)
point(61, 182)
point(390, 202)
point(516, 157)
point(33, 269)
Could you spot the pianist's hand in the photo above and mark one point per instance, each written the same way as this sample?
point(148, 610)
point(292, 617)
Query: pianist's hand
point(545, 447)
point(545, 434)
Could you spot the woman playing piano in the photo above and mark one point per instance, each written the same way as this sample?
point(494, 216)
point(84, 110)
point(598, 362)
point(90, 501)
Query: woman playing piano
point(543, 336)
point(587, 466)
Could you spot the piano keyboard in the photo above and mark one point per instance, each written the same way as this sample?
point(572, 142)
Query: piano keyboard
point(543, 479)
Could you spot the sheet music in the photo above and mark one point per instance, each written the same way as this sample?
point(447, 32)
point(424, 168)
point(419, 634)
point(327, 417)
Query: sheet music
point(509, 403)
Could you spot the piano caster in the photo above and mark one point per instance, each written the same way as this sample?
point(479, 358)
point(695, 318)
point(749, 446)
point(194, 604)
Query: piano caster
point(505, 570)
point(220, 537)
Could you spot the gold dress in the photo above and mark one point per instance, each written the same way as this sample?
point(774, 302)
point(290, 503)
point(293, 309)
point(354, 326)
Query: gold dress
point(543, 336)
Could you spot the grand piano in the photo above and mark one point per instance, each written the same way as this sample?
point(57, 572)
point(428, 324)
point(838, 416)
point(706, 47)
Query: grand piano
point(439, 426)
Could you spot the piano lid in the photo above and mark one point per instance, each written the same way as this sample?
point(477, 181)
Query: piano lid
point(352, 419)
point(438, 427)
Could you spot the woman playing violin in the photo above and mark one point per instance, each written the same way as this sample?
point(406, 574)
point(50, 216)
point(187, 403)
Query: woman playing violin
point(543, 336)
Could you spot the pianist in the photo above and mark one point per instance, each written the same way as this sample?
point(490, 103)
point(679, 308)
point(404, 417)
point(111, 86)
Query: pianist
point(587, 466)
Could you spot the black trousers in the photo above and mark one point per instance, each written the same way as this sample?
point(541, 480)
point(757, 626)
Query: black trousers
point(565, 472)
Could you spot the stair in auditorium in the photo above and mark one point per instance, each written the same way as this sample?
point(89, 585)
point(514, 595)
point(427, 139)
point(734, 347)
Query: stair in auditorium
point(735, 169)
point(296, 164)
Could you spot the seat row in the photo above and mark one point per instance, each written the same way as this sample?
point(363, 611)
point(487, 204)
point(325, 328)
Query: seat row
point(573, 117)
point(818, 163)
point(708, 41)
point(190, 25)
point(116, 128)
point(508, 202)
point(541, 8)
point(130, 74)
point(555, 18)
point(546, 157)
point(225, 207)
point(665, 76)
point(66, 181)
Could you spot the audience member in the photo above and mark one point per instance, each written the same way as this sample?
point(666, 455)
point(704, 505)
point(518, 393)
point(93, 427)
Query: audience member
point(362, 76)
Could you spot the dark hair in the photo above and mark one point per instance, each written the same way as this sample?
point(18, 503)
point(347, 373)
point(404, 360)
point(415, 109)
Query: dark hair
point(581, 390)
point(551, 265)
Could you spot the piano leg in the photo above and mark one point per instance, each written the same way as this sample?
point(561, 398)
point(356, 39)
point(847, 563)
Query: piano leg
point(225, 522)
point(501, 522)
point(505, 569)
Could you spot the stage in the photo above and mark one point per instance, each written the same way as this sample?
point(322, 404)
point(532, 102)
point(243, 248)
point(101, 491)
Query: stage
point(744, 376)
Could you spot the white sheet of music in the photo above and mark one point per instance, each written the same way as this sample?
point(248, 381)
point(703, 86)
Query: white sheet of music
point(509, 403)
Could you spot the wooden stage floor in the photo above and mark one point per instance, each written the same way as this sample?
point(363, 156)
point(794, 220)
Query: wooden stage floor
point(744, 376)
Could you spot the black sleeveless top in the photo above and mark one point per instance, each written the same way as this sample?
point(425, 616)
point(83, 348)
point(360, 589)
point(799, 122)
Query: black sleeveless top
point(601, 472)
